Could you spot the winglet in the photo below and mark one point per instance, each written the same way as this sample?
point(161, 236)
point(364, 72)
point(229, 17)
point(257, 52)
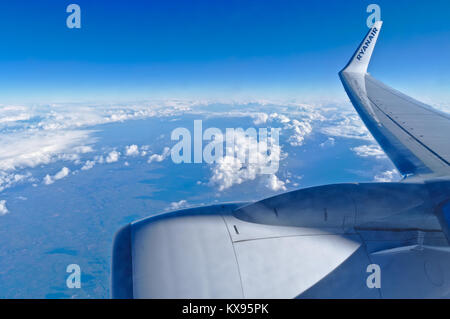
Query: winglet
point(361, 58)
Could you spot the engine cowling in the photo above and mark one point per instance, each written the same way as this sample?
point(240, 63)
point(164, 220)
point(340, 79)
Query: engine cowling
point(310, 243)
point(347, 206)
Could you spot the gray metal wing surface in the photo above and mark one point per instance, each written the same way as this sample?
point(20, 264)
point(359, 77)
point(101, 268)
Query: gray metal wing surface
point(413, 134)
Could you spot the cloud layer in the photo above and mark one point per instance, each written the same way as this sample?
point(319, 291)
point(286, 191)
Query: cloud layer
point(40, 135)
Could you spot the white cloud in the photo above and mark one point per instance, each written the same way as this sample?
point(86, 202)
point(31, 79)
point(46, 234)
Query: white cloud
point(369, 150)
point(48, 180)
point(29, 149)
point(88, 165)
point(144, 149)
point(56, 117)
point(9, 179)
point(444, 107)
point(260, 118)
point(301, 130)
point(300, 122)
point(3, 209)
point(350, 126)
point(132, 150)
point(61, 174)
point(280, 117)
point(159, 157)
point(235, 168)
point(99, 159)
point(388, 176)
point(15, 118)
point(329, 142)
point(112, 157)
point(59, 132)
point(272, 182)
point(177, 205)
point(13, 113)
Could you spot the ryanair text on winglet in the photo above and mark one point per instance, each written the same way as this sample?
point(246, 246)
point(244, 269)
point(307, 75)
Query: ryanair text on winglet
point(367, 43)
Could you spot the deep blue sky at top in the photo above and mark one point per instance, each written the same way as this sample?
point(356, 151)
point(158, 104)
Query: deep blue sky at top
point(131, 50)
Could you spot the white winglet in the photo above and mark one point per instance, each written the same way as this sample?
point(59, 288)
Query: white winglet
point(360, 60)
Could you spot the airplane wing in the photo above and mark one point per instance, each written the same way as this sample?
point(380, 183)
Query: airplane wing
point(410, 132)
point(318, 242)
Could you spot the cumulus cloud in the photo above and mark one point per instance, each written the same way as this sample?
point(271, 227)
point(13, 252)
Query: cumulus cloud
point(88, 165)
point(9, 179)
point(260, 118)
point(274, 183)
point(61, 174)
point(369, 150)
point(99, 159)
point(177, 205)
point(388, 176)
point(301, 130)
point(235, 167)
point(112, 157)
point(144, 149)
point(299, 124)
point(3, 209)
point(159, 157)
point(281, 117)
point(132, 150)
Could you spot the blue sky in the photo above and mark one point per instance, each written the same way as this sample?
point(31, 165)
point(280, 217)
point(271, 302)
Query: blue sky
point(130, 50)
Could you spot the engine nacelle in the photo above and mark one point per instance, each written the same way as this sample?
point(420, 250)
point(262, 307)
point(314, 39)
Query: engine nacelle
point(310, 243)
point(396, 206)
